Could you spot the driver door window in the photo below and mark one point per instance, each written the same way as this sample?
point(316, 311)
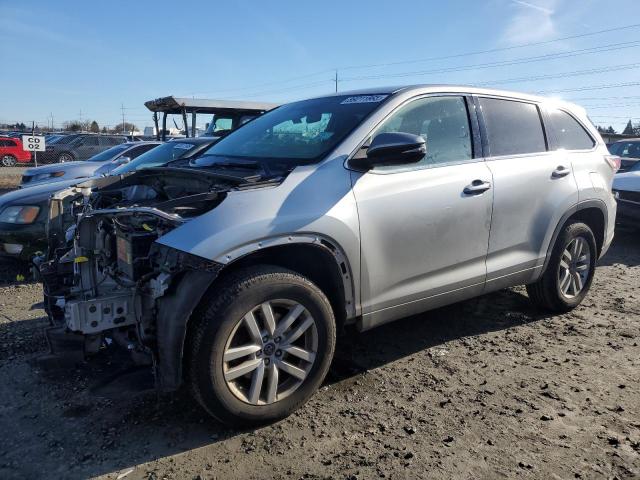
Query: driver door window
point(444, 124)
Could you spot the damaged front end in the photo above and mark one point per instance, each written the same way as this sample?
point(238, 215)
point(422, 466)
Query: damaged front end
point(107, 282)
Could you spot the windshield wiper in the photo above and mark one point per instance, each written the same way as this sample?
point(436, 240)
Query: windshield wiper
point(248, 164)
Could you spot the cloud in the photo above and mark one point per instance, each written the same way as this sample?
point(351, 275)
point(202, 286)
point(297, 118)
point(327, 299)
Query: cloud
point(546, 11)
point(531, 22)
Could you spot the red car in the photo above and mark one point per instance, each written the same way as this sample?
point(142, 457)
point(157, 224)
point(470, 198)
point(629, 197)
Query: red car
point(11, 152)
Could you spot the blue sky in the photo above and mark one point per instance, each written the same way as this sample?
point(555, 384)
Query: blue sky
point(64, 57)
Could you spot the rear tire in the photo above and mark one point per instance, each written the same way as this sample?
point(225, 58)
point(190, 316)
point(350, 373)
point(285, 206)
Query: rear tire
point(569, 273)
point(250, 310)
point(8, 161)
point(65, 157)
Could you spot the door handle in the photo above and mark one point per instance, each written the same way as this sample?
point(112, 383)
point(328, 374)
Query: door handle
point(476, 187)
point(561, 171)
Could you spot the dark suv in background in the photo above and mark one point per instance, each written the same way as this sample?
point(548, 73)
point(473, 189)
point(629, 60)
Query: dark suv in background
point(628, 151)
point(79, 147)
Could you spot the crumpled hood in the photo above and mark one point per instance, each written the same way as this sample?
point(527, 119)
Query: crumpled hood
point(35, 194)
point(628, 181)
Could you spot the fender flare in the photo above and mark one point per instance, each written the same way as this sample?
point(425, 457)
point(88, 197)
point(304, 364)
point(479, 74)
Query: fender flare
point(593, 203)
point(315, 239)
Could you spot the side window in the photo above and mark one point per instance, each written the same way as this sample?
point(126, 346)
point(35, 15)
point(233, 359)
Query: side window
point(634, 150)
point(137, 151)
point(3, 143)
point(513, 127)
point(569, 133)
point(631, 149)
point(222, 123)
point(442, 121)
point(89, 142)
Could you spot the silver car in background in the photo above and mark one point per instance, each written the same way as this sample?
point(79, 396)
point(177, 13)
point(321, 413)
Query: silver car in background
point(234, 272)
point(100, 164)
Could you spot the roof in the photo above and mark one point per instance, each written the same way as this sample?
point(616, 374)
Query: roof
point(142, 142)
point(176, 105)
point(624, 139)
point(193, 140)
point(441, 88)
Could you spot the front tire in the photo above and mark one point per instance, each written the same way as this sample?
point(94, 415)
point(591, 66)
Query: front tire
point(570, 270)
point(8, 161)
point(261, 346)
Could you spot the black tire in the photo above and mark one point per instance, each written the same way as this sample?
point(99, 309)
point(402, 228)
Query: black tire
point(546, 292)
point(8, 161)
point(65, 157)
point(234, 296)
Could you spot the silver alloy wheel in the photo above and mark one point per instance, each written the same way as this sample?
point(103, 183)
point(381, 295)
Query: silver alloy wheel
point(575, 266)
point(270, 352)
point(65, 157)
point(8, 161)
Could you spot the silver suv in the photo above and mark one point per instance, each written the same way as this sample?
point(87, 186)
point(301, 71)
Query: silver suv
point(233, 273)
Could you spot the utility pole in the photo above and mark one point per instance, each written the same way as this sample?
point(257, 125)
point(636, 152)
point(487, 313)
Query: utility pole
point(336, 80)
point(80, 119)
point(51, 116)
point(123, 124)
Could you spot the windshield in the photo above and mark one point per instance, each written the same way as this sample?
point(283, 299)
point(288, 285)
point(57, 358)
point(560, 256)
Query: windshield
point(67, 139)
point(219, 123)
point(298, 133)
point(157, 157)
point(109, 154)
point(627, 149)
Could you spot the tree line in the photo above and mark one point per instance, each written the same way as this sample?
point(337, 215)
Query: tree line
point(74, 126)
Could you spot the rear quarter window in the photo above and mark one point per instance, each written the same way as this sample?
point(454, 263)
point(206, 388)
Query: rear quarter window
point(513, 127)
point(569, 134)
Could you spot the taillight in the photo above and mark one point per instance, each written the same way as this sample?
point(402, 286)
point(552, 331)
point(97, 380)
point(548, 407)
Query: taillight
point(613, 161)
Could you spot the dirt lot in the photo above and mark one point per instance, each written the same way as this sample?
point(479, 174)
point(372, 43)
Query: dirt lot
point(10, 177)
point(484, 389)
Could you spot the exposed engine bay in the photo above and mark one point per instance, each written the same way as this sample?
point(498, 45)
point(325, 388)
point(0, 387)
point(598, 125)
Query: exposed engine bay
point(104, 274)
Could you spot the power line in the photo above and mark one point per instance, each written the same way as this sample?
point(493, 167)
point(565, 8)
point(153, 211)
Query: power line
point(631, 117)
point(493, 50)
point(504, 63)
point(430, 59)
point(619, 105)
point(591, 87)
point(576, 73)
point(580, 99)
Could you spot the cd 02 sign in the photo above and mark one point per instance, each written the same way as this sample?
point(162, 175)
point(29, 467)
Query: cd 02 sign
point(33, 143)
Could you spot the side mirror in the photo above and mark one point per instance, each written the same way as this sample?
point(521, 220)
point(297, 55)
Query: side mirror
point(393, 148)
point(123, 160)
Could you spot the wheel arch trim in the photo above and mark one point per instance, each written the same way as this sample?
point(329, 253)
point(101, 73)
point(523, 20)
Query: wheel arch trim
point(314, 239)
point(592, 203)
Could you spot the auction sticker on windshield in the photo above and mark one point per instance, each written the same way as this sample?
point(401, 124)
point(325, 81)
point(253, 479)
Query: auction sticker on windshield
point(184, 146)
point(363, 99)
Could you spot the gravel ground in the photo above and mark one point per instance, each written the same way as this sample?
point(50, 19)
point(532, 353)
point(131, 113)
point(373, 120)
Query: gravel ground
point(10, 177)
point(487, 388)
